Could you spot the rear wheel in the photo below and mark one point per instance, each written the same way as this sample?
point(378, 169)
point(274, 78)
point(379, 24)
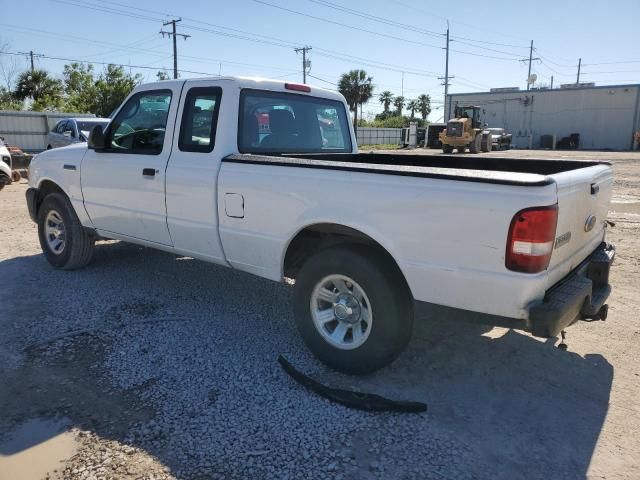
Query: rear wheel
point(487, 142)
point(447, 148)
point(461, 149)
point(63, 240)
point(353, 309)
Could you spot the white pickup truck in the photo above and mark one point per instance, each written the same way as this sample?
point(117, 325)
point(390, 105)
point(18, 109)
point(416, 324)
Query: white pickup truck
point(265, 177)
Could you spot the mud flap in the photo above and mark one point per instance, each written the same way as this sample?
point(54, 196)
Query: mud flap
point(362, 401)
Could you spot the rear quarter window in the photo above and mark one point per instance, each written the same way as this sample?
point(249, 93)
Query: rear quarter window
point(275, 122)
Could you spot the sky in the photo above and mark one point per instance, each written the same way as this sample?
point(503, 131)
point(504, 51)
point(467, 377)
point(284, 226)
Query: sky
point(400, 43)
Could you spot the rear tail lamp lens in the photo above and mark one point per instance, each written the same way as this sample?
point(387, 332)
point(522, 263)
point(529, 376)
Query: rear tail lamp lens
point(530, 240)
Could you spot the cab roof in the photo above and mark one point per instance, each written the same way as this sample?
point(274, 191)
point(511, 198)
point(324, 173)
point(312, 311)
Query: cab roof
point(247, 82)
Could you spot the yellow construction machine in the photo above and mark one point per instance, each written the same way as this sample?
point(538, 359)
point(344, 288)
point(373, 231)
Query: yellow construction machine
point(466, 131)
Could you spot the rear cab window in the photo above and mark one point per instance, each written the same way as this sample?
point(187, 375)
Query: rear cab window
point(274, 122)
point(200, 119)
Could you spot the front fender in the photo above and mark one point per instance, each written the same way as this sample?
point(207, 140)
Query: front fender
point(61, 167)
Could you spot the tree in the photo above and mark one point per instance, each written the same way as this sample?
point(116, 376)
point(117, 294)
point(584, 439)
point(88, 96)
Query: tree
point(424, 106)
point(357, 89)
point(112, 87)
point(8, 101)
point(412, 106)
point(79, 87)
point(162, 75)
point(399, 104)
point(45, 91)
point(386, 98)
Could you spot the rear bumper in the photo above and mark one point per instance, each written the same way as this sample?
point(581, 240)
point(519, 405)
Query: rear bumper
point(579, 296)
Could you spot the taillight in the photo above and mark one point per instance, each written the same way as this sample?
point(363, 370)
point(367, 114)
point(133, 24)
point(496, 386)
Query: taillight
point(530, 241)
point(299, 87)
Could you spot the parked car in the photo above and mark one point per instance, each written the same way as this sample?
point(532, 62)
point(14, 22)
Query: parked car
point(500, 139)
point(5, 170)
point(5, 165)
point(184, 167)
point(73, 130)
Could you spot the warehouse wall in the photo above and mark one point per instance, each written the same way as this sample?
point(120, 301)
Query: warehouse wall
point(28, 130)
point(605, 117)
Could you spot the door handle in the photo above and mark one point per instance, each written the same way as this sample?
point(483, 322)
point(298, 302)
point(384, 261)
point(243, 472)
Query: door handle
point(149, 172)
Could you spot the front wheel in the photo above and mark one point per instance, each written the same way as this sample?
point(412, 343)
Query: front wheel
point(353, 309)
point(447, 148)
point(64, 242)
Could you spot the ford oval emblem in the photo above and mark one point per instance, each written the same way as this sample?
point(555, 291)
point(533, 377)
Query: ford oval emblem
point(590, 223)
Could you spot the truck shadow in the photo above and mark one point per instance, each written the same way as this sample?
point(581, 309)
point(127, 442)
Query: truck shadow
point(514, 406)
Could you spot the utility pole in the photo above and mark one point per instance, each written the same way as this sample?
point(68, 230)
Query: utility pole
point(305, 65)
point(173, 34)
point(531, 59)
point(402, 87)
point(31, 55)
point(551, 82)
point(578, 77)
point(446, 70)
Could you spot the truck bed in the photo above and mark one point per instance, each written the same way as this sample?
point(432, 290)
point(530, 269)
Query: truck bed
point(499, 170)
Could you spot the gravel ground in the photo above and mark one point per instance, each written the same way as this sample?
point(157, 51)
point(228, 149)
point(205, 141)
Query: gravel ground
point(165, 367)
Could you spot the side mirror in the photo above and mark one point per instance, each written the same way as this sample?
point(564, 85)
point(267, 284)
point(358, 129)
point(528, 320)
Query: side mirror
point(96, 138)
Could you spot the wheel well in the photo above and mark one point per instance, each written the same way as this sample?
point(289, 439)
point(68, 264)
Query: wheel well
point(47, 187)
point(320, 236)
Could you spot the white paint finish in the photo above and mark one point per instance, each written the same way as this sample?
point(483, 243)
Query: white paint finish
point(49, 166)
point(575, 205)
point(447, 236)
point(118, 197)
point(192, 184)
point(234, 205)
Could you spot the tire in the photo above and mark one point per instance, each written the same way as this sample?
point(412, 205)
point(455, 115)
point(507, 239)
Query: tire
point(447, 148)
point(48, 147)
point(384, 299)
point(15, 176)
point(461, 149)
point(476, 144)
point(487, 144)
point(76, 250)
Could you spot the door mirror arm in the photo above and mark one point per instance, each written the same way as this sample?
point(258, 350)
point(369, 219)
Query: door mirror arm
point(96, 139)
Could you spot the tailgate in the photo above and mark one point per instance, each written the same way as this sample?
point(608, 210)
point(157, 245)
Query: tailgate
point(583, 204)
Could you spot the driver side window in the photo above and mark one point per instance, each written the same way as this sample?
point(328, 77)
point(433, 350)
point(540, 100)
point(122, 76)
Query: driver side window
point(140, 125)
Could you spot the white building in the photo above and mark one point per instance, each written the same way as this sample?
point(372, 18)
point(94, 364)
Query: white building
point(605, 117)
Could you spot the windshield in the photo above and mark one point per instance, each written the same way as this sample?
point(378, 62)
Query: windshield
point(284, 122)
point(87, 125)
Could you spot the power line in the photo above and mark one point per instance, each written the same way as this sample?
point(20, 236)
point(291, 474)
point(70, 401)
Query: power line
point(49, 57)
point(345, 25)
point(372, 32)
point(305, 66)
point(375, 18)
point(129, 47)
point(173, 35)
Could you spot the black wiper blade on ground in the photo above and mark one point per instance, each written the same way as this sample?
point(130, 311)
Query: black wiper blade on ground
point(362, 401)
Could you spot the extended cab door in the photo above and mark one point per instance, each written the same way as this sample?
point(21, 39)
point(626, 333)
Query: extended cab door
point(123, 184)
point(192, 173)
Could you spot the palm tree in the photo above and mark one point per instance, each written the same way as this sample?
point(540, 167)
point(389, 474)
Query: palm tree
point(424, 105)
point(386, 99)
point(37, 84)
point(399, 104)
point(412, 106)
point(356, 87)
